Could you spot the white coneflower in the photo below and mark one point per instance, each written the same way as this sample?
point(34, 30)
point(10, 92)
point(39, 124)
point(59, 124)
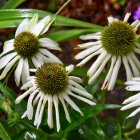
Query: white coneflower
point(51, 85)
point(28, 46)
point(116, 43)
point(133, 101)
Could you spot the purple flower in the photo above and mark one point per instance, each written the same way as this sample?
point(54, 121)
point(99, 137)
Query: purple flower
point(137, 14)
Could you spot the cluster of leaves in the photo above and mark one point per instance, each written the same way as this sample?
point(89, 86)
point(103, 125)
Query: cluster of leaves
point(92, 126)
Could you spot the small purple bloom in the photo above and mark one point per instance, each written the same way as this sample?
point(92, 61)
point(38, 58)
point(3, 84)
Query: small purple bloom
point(137, 14)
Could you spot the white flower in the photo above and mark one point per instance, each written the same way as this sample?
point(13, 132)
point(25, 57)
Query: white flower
point(28, 46)
point(116, 43)
point(133, 101)
point(52, 85)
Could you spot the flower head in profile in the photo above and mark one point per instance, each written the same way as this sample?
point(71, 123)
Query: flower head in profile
point(28, 46)
point(133, 101)
point(116, 43)
point(50, 86)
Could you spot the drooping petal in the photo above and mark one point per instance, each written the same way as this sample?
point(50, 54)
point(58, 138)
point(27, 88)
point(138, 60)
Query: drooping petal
point(22, 26)
point(25, 71)
point(50, 113)
point(65, 109)
point(18, 71)
point(72, 104)
point(6, 59)
point(49, 44)
point(114, 74)
point(55, 101)
point(9, 66)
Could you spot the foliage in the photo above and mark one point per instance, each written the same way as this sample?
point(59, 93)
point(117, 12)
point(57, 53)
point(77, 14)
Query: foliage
point(94, 125)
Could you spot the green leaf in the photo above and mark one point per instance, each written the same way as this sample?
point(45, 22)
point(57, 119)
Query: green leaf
point(9, 93)
point(3, 133)
point(69, 34)
point(12, 4)
point(89, 112)
point(4, 105)
point(112, 129)
point(20, 14)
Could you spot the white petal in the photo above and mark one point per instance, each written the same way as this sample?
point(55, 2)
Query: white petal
point(86, 52)
point(8, 67)
point(41, 112)
point(8, 46)
point(32, 70)
point(91, 36)
point(25, 71)
point(38, 110)
point(127, 16)
point(36, 62)
point(50, 113)
point(131, 105)
point(37, 98)
point(82, 99)
point(24, 115)
point(72, 104)
point(107, 79)
point(110, 19)
point(30, 105)
point(76, 79)
point(21, 97)
point(132, 83)
point(27, 85)
point(135, 23)
point(89, 44)
point(133, 66)
point(99, 70)
point(55, 101)
point(127, 68)
point(133, 88)
point(39, 58)
point(134, 112)
point(138, 125)
point(85, 60)
point(21, 26)
point(18, 71)
point(5, 59)
point(38, 28)
point(49, 44)
point(48, 24)
point(137, 50)
point(132, 98)
point(135, 59)
point(97, 63)
point(136, 27)
point(136, 78)
point(76, 85)
point(114, 74)
point(44, 58)
point(50, 55)
point(32, 23)
point(65, 109)
point(81, 92)
point(69, 68)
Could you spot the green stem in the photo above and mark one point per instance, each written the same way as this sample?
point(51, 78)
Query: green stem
point(63, 6)
point(127, 134)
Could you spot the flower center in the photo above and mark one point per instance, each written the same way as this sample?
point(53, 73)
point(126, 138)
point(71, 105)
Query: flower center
point(26, 44)
point(118, 38)
point(52, 78)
